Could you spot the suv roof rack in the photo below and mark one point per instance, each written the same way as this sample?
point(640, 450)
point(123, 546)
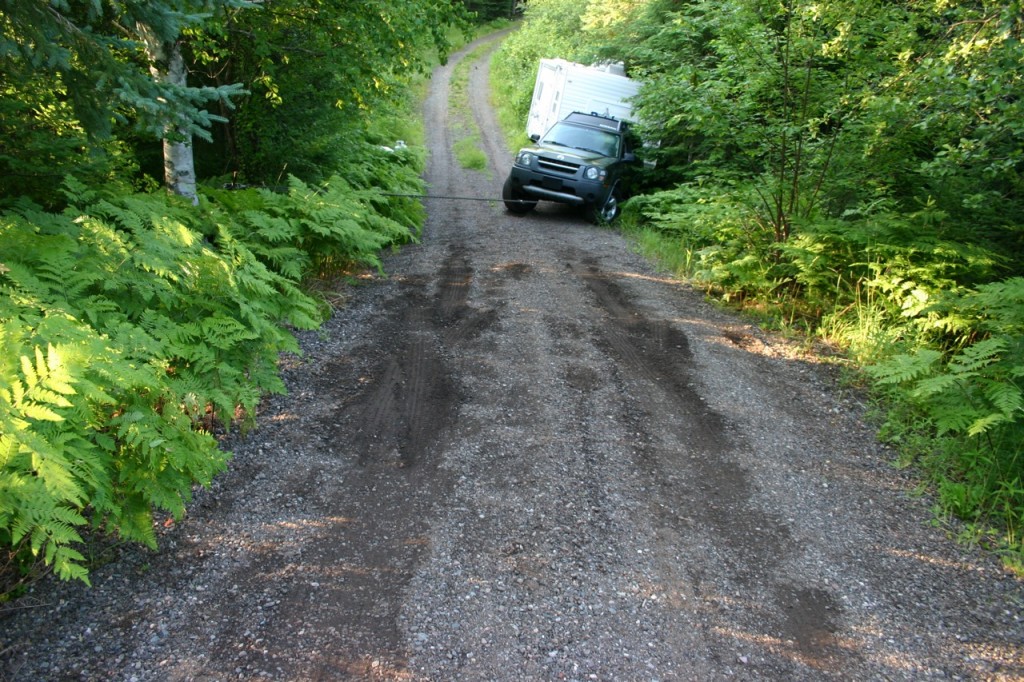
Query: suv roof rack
point(596, 120)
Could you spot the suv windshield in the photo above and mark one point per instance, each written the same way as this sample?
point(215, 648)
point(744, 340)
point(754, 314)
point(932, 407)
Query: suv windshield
point(565, 134)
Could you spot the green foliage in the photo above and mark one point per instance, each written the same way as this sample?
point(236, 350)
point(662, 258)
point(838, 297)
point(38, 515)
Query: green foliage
point(130, 325)
point(85, 82)
point(489, 10)
point(726, 249)
point(96, 55)
point(469, 154)
point(91, 425)
point(865, 281)
point(41, 141)
point(553, 28)
point(331, 228)
point(972, 398)
point(133, 323)
point(87, 88)
point(823, 108)
point(318, 75)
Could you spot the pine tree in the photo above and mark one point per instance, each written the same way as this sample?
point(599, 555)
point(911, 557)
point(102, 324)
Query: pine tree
point(117, 64)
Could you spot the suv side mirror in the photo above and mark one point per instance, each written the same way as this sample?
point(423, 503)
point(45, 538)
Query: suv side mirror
point(535, 137)
point(629, 157)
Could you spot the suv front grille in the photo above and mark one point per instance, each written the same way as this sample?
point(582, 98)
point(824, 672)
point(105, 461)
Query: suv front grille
point(558, 166)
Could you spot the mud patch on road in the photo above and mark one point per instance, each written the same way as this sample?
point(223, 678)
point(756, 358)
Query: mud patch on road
point(407, 401)
point(353, 527)
point(696, 475)
point(812, 618)
point(654, 351)
point(515, 270)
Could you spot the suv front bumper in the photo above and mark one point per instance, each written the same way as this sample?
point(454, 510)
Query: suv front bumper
point(564, 190)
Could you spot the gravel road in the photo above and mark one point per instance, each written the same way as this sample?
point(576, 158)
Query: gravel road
point(525, 454)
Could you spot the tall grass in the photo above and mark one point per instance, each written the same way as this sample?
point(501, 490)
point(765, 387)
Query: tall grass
point(467, 147)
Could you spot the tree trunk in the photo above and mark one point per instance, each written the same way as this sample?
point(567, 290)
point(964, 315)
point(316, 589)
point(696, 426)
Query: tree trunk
point(167, 66)
point(179, 162)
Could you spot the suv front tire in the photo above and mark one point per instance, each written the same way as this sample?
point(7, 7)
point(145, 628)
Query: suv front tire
point(607, 212)
point(515, 200)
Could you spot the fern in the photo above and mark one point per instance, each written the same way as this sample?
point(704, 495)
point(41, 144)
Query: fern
point(42, 492)
point(974, 396)
point(127, 320)
point(105, 432)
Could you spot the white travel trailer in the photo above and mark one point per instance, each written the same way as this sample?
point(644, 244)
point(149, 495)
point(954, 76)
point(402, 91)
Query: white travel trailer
point(563, 87)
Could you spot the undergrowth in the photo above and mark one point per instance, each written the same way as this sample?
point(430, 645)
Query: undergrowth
point(966, 402)
point(133, 325)
point(469, 154)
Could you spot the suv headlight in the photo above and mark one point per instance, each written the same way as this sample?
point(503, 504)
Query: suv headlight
point(595, 173)
point(524, 159)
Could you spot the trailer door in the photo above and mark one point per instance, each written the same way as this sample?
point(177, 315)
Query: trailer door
point(547, 94)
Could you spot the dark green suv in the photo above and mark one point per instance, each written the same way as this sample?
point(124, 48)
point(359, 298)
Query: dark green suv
point(584, 160)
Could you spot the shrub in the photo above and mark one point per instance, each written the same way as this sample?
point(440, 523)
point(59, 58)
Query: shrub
point(971, 398)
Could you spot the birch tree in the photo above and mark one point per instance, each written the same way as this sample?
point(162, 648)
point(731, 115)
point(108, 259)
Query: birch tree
point(118, 64)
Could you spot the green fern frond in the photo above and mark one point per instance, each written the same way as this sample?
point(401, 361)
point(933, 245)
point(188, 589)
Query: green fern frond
point(984, 424)
point(937, 384)
point(135, 522)
point(1006, 397)
point(977, 356)
point(951, 418)
point(287, 260)
point(225, 332)
point(904, 368)
point(273, 229)
point(1002, 304)
point(76, 192)
point(68, 563)
point(57, 474)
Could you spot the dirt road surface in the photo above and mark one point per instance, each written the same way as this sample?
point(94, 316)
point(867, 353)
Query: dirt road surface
point(524, 454)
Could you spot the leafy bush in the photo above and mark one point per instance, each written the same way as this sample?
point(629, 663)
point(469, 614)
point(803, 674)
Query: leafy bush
point(122, 327)
point(972, 399)
point(309, 231)
point(726, 248)
point(132, 324)
point(319, 77)
point(873, 261)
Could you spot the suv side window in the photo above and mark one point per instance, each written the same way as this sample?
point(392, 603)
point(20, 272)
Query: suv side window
point(631, 142)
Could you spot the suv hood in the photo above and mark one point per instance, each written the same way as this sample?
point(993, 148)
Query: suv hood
point(580, 156)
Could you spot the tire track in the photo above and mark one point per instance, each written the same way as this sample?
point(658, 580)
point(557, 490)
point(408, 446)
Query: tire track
point(656, 358)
